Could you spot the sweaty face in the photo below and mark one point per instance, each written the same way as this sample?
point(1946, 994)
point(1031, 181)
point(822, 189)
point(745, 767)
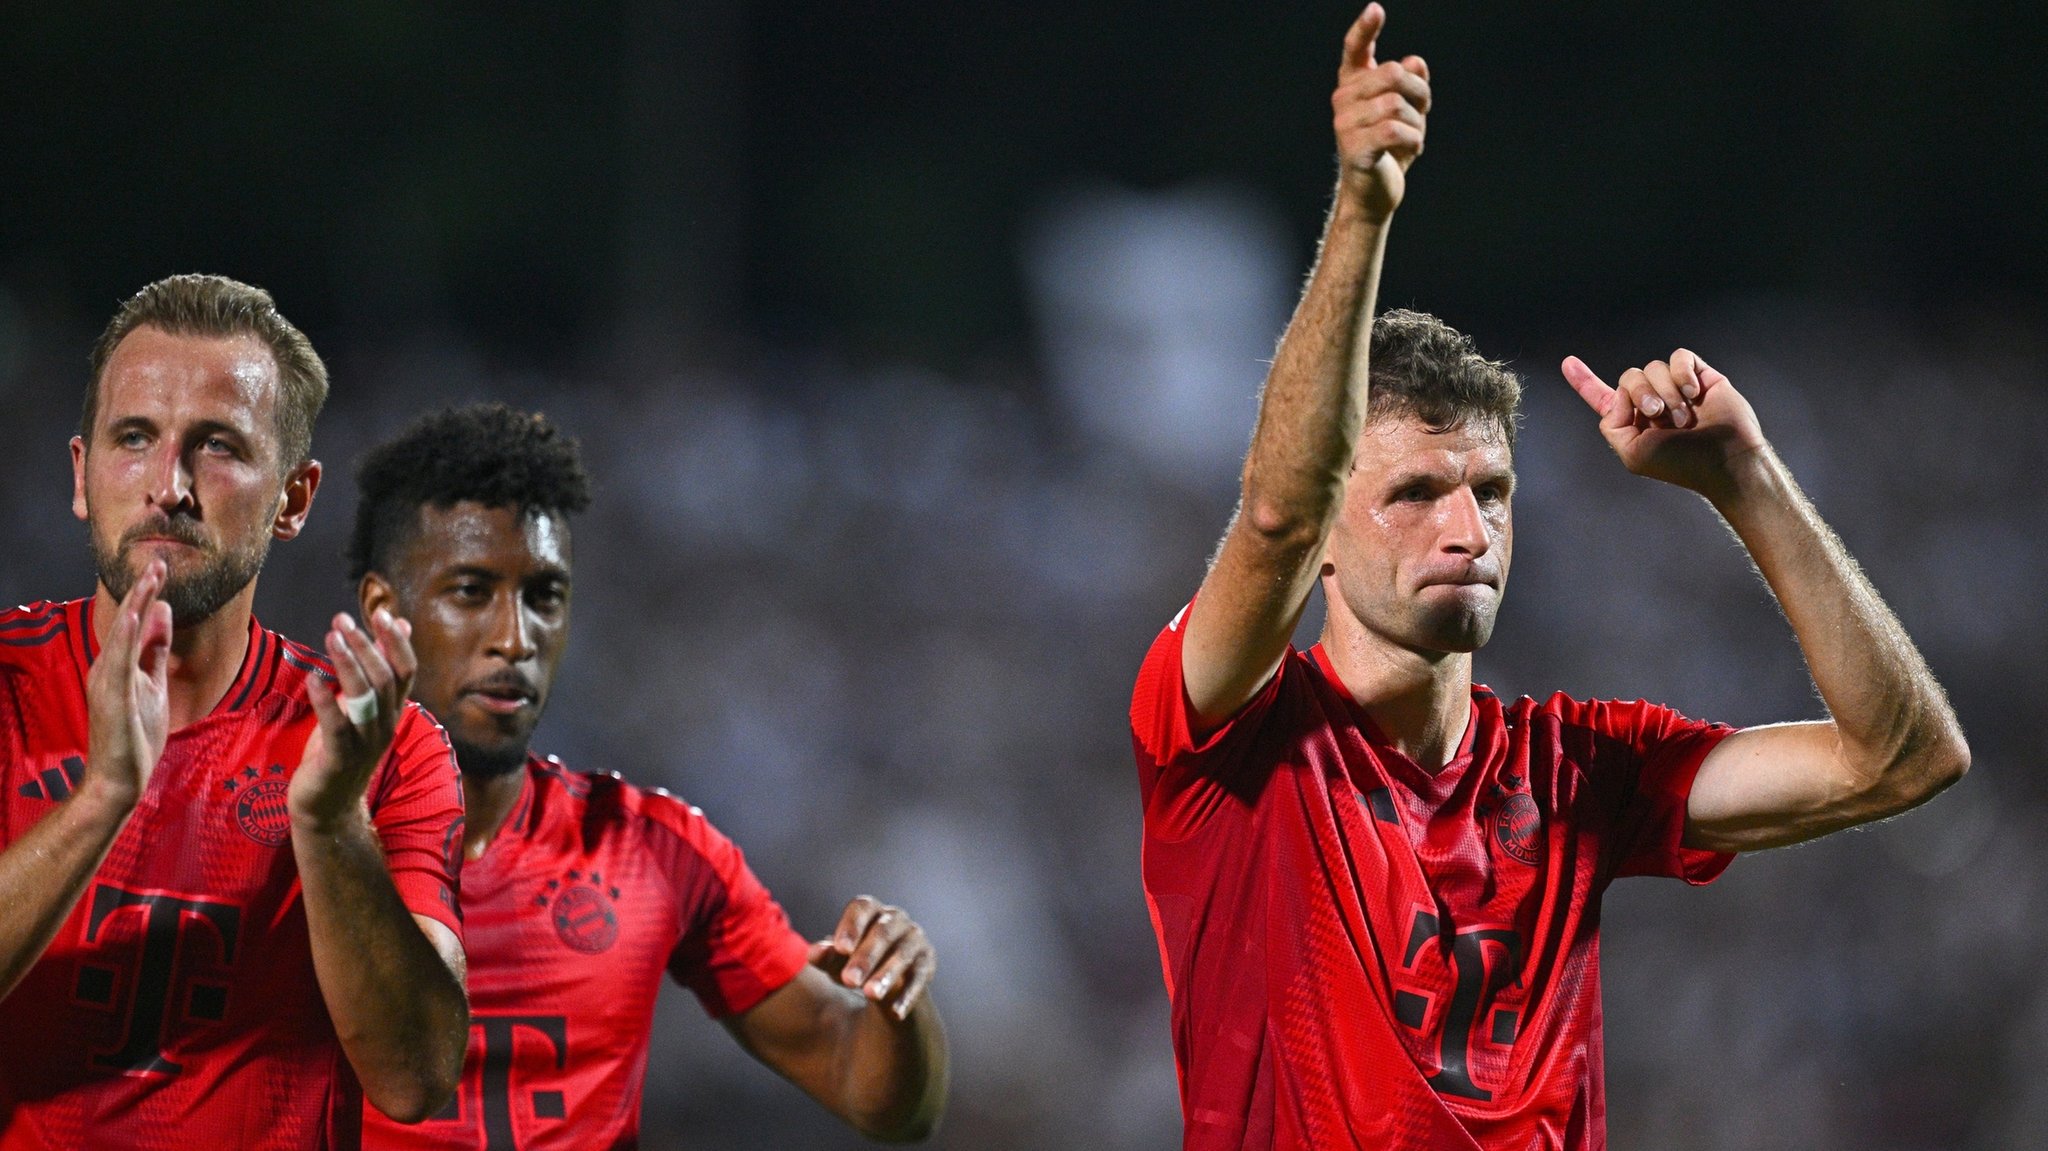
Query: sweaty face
point(182, 464)
point(1419, 554)
point(487, 591)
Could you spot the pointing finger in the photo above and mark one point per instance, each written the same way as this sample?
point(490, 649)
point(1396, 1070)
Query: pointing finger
point(1596, 393)
point(1359, 41)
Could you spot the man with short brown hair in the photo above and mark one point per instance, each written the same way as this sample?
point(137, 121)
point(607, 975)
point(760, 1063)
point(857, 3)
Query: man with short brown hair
point(227, 909)
point(1376, 884)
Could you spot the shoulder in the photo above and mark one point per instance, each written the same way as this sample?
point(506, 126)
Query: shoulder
point(39, 632)
point(604, 804)
point(1637, 725)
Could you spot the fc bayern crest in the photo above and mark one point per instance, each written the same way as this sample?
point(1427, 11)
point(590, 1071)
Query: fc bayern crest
point(1515, 826)
point(260, 809)
point(584, 915)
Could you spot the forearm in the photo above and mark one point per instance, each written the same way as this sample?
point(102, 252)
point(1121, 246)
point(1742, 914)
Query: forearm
point(43, 874)
point(398, 1008)
point(1314, 400)
point(893, 1073)
point(1898, 735)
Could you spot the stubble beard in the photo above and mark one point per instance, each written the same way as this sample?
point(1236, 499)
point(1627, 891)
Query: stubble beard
point(488, 762)
point(194, 595)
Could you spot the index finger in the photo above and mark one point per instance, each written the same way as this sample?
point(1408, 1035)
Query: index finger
point(1359, 40)
point(853, 922)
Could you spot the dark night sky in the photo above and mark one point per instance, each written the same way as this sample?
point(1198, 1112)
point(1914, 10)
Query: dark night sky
point(855, 176)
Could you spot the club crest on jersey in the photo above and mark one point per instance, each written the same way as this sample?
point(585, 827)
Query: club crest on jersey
point(583, 910)
point(260, 809)
point(1517, 821)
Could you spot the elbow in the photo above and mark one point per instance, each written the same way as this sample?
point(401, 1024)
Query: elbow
point(417, 1091)
point(1924, 769)
point(916, 1129)
point(411, 1102)
point(1285, 524)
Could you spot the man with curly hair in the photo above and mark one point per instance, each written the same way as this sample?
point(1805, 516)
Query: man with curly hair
point(580, 890)
point(1376, 885)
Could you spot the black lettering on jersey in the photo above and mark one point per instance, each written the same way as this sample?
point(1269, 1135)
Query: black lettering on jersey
point(55, 783)
point(1476, 982)
point(495, 1075)
point(175, 932)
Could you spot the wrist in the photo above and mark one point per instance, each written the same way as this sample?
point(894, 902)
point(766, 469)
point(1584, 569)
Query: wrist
point(316, 820)
point(1361, 198)
point(1755, 475)
point(101, 801)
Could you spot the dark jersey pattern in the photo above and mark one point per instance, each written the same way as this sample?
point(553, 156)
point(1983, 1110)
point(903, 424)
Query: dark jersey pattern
point(1361, 954)
point(177, 1007)
point(590, 892)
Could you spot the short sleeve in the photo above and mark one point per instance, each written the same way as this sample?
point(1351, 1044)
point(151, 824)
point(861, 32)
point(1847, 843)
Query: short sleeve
point(737, 945)
point(416, 807)
point(1643, 764)
point(1178, 771)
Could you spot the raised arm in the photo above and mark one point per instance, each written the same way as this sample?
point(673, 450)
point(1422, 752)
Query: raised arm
point(392, 980)
point(1314, 400)
point(855, 1028)
point(1891, 741)
point(43, 873)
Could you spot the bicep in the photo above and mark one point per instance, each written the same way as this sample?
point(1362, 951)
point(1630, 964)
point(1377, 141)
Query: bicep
point(797, 1029)
point(1240, 624)
point(1773, 786)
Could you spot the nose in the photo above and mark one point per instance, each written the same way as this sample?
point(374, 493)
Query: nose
point(170, 480)
point(1465, 528)
point(511, 637)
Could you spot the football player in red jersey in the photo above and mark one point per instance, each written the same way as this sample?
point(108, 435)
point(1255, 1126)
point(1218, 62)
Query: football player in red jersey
point(226, 903)
point(580, 890)
point(1375, 884)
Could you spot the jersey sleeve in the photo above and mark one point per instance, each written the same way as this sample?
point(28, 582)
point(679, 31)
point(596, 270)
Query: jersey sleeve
point(1182, 775)
point(737, 945)
point(1644, 760)
point(416, 807)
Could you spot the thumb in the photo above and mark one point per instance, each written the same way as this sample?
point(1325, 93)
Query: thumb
point(1614, 414)
point(1359, 42)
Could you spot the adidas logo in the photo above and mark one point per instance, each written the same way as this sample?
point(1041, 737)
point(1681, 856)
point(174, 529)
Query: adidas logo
point(55, 783)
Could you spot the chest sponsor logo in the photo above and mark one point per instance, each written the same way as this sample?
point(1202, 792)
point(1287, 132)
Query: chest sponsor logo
point(583, 909)
point(150, 954)
point(260, 803)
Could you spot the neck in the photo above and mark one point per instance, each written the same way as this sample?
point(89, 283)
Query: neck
point(487, 802)
point(205, 656)
point(1420, 700)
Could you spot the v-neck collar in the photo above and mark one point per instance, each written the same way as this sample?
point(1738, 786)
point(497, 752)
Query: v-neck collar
point(1419, 779)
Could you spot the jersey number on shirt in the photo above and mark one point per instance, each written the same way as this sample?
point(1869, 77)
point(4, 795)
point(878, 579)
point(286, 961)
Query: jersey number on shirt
point(1475, 984)
point(179, 934)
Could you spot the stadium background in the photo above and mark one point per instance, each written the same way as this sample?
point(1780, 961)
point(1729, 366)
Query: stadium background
point(914, 348)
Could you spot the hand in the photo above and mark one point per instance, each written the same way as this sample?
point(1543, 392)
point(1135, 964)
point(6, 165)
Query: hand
point(1681, 422)
point(343, 754)
point(880, 952)
point(127, 692)
point(1379, 115)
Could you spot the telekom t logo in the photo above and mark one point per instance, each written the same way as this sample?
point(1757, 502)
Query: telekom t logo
point(177, 934)
point(494, 1087)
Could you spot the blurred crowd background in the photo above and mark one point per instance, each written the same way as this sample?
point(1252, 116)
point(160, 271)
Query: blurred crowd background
point(914, 350)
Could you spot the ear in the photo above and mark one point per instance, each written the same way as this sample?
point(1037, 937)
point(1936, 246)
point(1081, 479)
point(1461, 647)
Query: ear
point(373, 592)
point(78, 505)
point(295, 502)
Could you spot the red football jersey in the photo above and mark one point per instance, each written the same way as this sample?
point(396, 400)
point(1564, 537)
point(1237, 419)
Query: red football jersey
point(1362, 954)
point(591, 890)
point(177, 1006)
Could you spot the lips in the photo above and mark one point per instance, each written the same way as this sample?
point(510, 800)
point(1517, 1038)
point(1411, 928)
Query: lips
point(502, 695)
